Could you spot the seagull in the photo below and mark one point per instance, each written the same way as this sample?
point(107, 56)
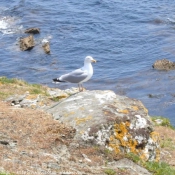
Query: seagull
point(79, 75)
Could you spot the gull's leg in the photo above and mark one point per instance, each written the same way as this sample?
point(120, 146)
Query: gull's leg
point(82, 86)
point(79, 87)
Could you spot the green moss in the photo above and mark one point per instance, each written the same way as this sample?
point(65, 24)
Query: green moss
point(165, 121)
point(157, 168)
point(109, 172)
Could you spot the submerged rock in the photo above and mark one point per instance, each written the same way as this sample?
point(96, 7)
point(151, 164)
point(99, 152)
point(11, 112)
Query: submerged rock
point(27, 43)
point(46, 47)
point(116, 122)
point(163, 64)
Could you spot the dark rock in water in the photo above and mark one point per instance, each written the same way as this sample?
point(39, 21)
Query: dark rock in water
point(32, 30)
point(27, 43)
point(163, 64)
point(46, 47)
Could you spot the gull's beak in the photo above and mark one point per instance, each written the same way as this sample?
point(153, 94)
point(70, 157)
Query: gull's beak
point(93, 61)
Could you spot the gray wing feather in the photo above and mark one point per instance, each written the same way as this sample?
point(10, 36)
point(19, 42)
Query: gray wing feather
point(75, 76)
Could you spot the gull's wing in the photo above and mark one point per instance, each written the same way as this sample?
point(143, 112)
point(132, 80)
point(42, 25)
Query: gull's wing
point(75, 76)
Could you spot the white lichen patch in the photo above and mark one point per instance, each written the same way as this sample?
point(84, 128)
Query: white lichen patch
point(101, 136)
point(140, 122)
point(85, 136)
point(139, 139)
point(106, 96)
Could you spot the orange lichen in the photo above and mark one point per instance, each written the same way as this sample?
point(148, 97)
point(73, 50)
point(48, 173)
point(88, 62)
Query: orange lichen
point(82, 120)
point(124, 111)
point(122, 138)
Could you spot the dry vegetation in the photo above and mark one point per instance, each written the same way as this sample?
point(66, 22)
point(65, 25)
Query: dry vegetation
point(34, 133)
point(167, 143)
point(31, 141)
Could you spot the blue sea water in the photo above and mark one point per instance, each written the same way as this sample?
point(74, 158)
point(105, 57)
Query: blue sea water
point(126, 37)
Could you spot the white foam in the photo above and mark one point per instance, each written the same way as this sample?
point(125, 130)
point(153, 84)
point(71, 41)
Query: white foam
point(46, 39)
point(8, 25)
point(3, 24)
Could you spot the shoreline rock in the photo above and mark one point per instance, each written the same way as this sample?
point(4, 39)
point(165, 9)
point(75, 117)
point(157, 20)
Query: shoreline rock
point(164, 64)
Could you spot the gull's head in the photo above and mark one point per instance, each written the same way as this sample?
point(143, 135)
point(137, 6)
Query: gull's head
point(89, 59)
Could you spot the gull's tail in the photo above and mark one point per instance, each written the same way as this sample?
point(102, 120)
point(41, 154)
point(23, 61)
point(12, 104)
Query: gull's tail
point(56, 80)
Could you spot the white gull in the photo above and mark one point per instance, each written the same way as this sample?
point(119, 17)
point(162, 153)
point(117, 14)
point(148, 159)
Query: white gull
point(78, 76)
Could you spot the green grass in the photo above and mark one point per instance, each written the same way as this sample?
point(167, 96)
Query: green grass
point(165, 121)
point(157, 168)
point(17, 83)
point(3, 95)
point(5, 173)
point(109, 172)
point(5, 80)
point(167, 143)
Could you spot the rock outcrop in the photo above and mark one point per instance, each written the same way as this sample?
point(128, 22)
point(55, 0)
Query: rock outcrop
point(116, 122)
point(27, 43)
point(32, 30)
point(164, 64)
point(46, 47)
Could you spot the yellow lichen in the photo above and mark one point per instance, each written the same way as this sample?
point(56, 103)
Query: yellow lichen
point(122, 138)
point(145, 109)
point(157, 155)
point(155, 136)
point(32, 97)
point(69, 113)
point(124, 111)
point(135, 108)
point(143, 156)
point(82, 120)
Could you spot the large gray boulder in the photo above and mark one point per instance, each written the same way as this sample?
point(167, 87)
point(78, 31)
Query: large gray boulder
point(116, 122)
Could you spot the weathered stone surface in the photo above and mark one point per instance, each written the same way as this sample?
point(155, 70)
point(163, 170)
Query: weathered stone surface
point(116, 122)
point(163, 64)
point(27, 43)
point(46, 47)
point(32, 30)
point(134, 168)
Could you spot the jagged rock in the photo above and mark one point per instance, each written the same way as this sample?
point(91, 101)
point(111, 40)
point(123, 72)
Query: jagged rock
point(27, 43)
point(116, 122)
point(32, 30)
point(46, 47)
point(163, 64)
